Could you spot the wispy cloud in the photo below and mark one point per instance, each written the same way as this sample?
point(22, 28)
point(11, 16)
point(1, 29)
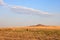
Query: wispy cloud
point(21, 9)
point(2, 3)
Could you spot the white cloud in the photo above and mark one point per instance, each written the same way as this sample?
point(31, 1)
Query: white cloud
point(20, 9)
point(2, 3)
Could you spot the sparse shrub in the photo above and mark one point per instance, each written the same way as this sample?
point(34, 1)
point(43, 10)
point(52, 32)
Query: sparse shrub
point(29, 34)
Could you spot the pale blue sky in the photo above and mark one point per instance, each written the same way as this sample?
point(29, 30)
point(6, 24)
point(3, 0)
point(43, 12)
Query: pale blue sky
point(10, 17)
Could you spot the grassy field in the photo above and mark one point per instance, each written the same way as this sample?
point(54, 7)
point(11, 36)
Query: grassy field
point(30, 33)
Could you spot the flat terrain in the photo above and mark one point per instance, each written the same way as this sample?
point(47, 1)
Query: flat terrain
point(30, 33)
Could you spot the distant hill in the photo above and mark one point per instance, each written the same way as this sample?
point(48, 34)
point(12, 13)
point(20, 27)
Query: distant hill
point(41, 25)
point(37, 25)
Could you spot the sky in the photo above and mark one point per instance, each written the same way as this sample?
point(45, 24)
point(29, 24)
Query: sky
point(29, 12)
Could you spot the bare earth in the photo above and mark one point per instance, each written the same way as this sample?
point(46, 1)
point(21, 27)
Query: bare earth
point(30, 33)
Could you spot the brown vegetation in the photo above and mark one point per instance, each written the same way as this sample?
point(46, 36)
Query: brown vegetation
point(30, 33)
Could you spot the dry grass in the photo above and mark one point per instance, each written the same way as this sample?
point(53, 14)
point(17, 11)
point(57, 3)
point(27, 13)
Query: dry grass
point(30, 33)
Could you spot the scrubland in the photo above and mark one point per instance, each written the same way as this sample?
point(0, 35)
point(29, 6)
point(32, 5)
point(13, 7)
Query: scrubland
point(30, 33)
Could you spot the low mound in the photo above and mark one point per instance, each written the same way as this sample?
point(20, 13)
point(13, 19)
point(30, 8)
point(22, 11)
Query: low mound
point(38, 25)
